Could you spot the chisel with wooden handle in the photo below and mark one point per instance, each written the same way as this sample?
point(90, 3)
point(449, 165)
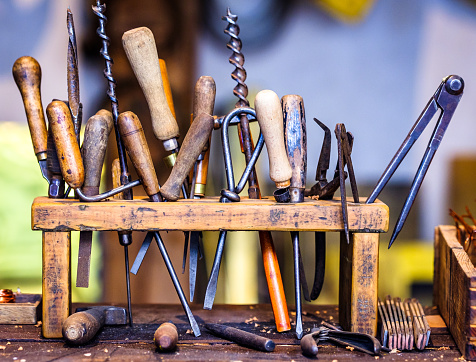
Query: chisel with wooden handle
point(93, 151)
point(134, 140)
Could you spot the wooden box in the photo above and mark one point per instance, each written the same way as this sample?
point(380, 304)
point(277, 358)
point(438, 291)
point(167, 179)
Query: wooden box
point(454, 289)
point(25, 310)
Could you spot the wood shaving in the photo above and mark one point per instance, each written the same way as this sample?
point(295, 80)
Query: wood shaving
point(394, 351)
point(250, 320)
point(256, 325)
point(263, 331)
point(3, 347)
point(189, 331)
point(20, 348)
point(349, 348)
point(87, 354)
point(9, 343)
point(38, 324)
point(443, 348)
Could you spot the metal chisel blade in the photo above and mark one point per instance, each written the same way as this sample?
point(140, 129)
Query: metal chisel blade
point(192, 264)
point(141, 254)
point(84, 259)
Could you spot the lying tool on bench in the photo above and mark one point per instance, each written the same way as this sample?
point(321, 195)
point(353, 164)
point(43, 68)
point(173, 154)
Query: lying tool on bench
point(136, 145)
point(241, 337)
point(81, 327)
point(166, 337)
point(446, 98)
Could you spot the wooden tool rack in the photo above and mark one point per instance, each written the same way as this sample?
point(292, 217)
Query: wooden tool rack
point(358, 260)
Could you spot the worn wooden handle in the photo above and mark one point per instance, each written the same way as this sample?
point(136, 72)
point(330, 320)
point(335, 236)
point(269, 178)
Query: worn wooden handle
point(270, 119)
point(134, 140)
point(166, 337)
point(296, 143)
point(93, 151)
point(67, 149)
point(27, 74)
point(116, 178)
point(140, 48)
point(196, 137)
point(167, 87)
point(79, 328)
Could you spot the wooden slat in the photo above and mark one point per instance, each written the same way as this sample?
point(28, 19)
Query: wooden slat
point(205, 214)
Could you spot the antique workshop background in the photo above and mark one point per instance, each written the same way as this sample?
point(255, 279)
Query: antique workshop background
point(375, 74)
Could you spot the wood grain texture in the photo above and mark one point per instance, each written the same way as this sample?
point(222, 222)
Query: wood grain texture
point(270, 118)
point(25, 310)
point(167, 87)
point(27, 74)
point(140, 48)
point(454, 289)
point(206, 214)
point(56, 282)
point(358, 283)
point(67, 148)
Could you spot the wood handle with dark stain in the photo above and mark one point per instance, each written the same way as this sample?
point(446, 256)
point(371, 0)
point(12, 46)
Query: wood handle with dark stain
point(27, 74)
point(67, 149)
point(296, 143)
point(270, 118)
point(134, 140)
point(140, 48)
point(196, 137)
point(93, 151)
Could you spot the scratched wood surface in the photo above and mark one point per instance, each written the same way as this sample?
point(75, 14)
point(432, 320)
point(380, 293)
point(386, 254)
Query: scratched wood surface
point(134, 344)
point(454, 290)
point(206, 214)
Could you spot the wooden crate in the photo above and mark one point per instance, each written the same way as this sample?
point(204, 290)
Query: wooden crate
point(454, 289)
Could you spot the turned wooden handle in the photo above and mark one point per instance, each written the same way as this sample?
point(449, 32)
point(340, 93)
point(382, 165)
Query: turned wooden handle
point(27, 74)
point(166, 337)
point(296, 143)
point(270, 119)
point(193, 142)
point(67, 149)
point(140, 48)
point(116, 178)
point(93, 151)
point(134, 140)
point(167, 88)
point(79, 328)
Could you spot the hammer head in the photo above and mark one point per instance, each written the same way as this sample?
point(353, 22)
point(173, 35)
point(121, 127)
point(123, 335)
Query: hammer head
point(112, 315)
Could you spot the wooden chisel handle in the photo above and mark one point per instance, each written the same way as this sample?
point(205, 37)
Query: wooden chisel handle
point(134, 140)
point(167, 87)
point(116, 178)
point(296, 144)
point(27, 74)
point(270, 118)
point(196, 137)
point(79, 328)
point(93, 151)
point(140, 48)
point(67, 148)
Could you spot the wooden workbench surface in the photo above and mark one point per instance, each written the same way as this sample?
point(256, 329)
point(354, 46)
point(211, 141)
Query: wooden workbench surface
point(130, 344)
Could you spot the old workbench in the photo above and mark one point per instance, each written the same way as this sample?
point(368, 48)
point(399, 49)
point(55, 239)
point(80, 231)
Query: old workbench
point(24, 343)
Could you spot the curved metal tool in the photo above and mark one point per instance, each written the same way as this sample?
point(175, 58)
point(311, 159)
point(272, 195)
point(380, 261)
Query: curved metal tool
point(446, 98)
point(230, 194)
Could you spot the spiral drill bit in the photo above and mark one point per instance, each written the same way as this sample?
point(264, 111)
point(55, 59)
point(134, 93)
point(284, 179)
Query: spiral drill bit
point(125, 238)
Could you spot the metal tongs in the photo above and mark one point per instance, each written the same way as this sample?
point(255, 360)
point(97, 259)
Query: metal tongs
point(446, 98)
point(359, 341)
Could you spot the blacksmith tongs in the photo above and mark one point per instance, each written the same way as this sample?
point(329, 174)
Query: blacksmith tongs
point(446, 98)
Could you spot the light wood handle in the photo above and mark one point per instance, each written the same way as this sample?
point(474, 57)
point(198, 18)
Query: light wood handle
point(295, 140)
point(140, 48)
point(270, 119)
point(204, 96)
point(133, 136)
point(93, 151)
point(167, 87)
point(79, 328)
point(27, 74)
point(166, 337)
point(116, 178)
point(67, 149)
point(192, 146)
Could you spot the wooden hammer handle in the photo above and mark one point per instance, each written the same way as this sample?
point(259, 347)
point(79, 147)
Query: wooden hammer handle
point(270, 118)
point(67, 148)
point(140, 48)
point(134, 140)
point(196, 137)
point(27, 74)
point(96, 134)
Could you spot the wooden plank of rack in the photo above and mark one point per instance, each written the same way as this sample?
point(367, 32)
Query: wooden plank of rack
point(206, 214)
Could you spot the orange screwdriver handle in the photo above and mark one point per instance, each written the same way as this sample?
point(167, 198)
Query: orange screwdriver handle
point(27, 74)
point(133, 136)
point(67, 149)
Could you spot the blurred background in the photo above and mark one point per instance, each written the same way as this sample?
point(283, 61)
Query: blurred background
point(372, 65)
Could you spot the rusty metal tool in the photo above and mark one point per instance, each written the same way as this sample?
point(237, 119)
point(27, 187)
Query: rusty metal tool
point(241, 337)
point(125, 237)
point(81, 327)
point(446, 98)
point(136, 145)
point(270, 260)
point(166, 337)
point(93, 152)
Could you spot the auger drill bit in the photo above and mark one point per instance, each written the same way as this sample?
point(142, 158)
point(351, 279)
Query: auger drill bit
point(125, 237)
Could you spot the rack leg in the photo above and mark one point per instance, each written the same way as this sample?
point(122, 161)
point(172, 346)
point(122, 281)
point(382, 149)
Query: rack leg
point(358, 282)
point(56, 282)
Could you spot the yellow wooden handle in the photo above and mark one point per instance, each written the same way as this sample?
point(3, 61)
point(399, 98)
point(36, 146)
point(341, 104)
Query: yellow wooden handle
point(204, 96)
point(27, 74)
point(93, 151)
point(134, 140)
point(140, 48)
point(67, 149)
point(270, 118)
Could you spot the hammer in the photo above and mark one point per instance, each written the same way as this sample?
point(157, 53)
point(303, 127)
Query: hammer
point(79, 328)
